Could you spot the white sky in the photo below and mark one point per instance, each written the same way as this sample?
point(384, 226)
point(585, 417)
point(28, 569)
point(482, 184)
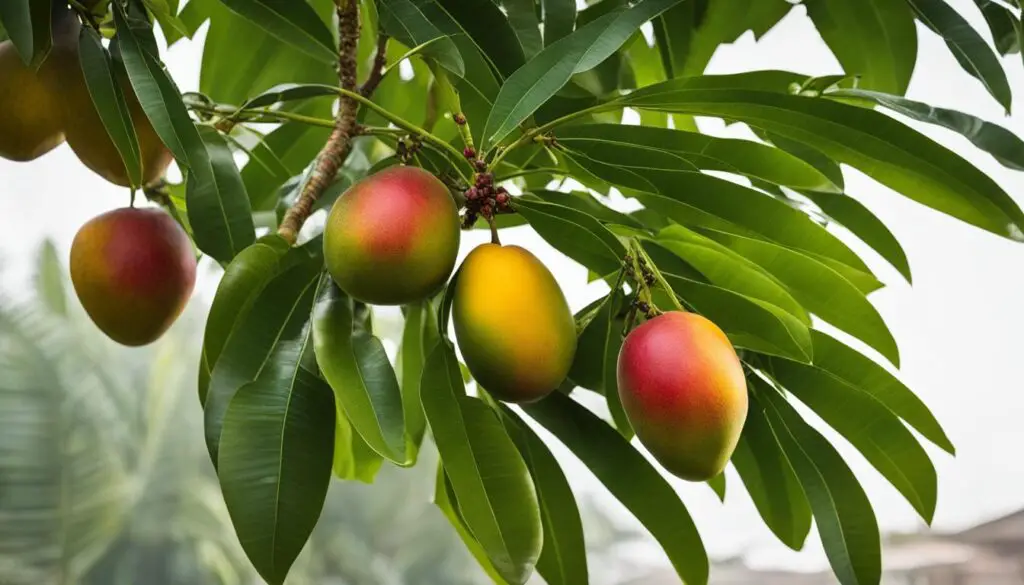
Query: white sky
point(957, 328)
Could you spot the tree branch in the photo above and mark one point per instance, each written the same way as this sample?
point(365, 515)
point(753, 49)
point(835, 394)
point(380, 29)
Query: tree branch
point(380, 60)
point(334, 153)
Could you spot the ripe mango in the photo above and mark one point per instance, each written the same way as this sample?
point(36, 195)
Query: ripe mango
point(512, 323)
point(133, 271)
point(682, 387)
point(393, 237)
point(31, 109)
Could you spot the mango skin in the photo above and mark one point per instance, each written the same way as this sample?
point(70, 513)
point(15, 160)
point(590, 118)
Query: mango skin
point(134, 271)
point(512, 323)
point(393, 238)
point(683, 389)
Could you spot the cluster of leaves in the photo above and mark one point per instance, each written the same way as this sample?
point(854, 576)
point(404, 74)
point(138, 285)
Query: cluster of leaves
point(295, 383)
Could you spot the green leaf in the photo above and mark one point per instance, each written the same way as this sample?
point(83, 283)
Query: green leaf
point(490, 30)
point(820, 289)
point(743, 157)
point(279, 313)
point(353, 458)
point(563, 560)
point(771, 481)
point(574, 233)
point(405, 21)
point(419, 335)
point(171, 26)
point(717, 485)
point(559, 19)
point(28, 25)
point(587, 203)
point(865, 225)
point(488, 475)
point(295, 23)
point(1003, 24)
point(969, 48)
point(218, 206)
point(1002, 144)
point(289, 148)
point(444, 499)
point(881, 147)
point(842, 512)
point(522, 15)
point(630, 478)
point(110, 102)
point(597, 354)
point(873, 39)
point(541, 78)
point(49, 279)
point(243, 280)
point(275, 457)
point(869, 426)
point(354, 363)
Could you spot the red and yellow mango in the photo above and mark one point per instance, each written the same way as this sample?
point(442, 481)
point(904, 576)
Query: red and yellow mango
point(393, 237)
point(512, 323)
point(683, 390)
point(133, 271)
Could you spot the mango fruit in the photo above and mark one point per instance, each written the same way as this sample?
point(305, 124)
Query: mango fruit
point(512, 323)
point(31, 110)
point(683, 390)
point(393, 238)
point(134, 271)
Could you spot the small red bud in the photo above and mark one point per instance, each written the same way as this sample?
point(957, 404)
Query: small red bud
point(460, 119)
point(472, 193)
point(502, 197)
point(481, 165)
point(469, 152)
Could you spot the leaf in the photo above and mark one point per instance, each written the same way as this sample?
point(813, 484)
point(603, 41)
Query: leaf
point(1003, 24)
point(743, 157)
point(717, 485)
point(218, 206)
point(28, 25)
point(842, 511)
point(1002, 144)
point(563, 560)
point(405, 21)
point(771, 481)
point(873, 39)
point(969, 48)
point(419, 335)
point(522, 15)
point(171, 26)
point(295, 23)
point(857, 218)
point(354, 363)
point(630, 478)
point(444, 499)
point(290, 148)
point(559, 19)
point(244, 278)
point(820, 289)
point(489, 477)
point(50, 285)
point(881, 147)
point(869, 426)
point(279, 313)
point(275, 458)
point(489, 29)
point(353, 458)
point(587, 203)
point(574, 233)
point(537, 81)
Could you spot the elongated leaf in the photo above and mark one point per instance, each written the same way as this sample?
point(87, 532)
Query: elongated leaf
point(28, 25)
point(742, 157)
point(771, 481)
point(865, 225)
point(278, 314)
point(419, 336)
point(717, 485)
point(275, 457)
point(353, 458)
point(881, 147)
point(630, 478)
point(857, 370)
point(563, 560)
point(444, 499)
point(820, 289)
point(490, 29)
point(489, 477)
point(537, 81)
point(559, 19)
point(872, 428)
point(1005, 146)
point(587, 203)
point(969, 48)
point(522, 15)
point(354, 363)
point(405, 21)
point(109, 102)
point(873, 39)
point(295, 23)
point(1003, 24)
point(597, 354)
point(243, 280)
point(574, 233)
point(842, 512)
point(218, 206)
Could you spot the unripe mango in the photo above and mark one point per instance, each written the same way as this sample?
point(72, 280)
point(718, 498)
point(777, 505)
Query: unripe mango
point(393, 237)
point(133, 271)
point(682, 387)
point(512, 323)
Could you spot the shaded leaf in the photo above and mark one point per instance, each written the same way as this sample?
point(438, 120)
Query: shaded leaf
point(522, 15)
point(295, 23)
point(405, 21)
point(574, 233)
point(27, 24)
point(444, 499)
point(353, 458)
point(419, 336)
point(489, 29)
point(559, 19)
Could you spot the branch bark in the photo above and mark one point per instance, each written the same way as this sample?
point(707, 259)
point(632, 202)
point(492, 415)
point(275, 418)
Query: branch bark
point(380, 60)
point(338, 145)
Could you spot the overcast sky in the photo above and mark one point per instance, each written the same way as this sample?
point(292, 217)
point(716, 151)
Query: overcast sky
point(958, 328)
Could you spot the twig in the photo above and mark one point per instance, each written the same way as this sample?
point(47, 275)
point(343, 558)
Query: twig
point(339, 144)
point(380, 60)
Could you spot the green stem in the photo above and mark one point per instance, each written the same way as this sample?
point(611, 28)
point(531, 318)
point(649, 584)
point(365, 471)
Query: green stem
point(658, 276)
point(528, 172)
point(530, 135)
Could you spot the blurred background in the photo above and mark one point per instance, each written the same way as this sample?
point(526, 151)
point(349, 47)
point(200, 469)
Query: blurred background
point(105, 480)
